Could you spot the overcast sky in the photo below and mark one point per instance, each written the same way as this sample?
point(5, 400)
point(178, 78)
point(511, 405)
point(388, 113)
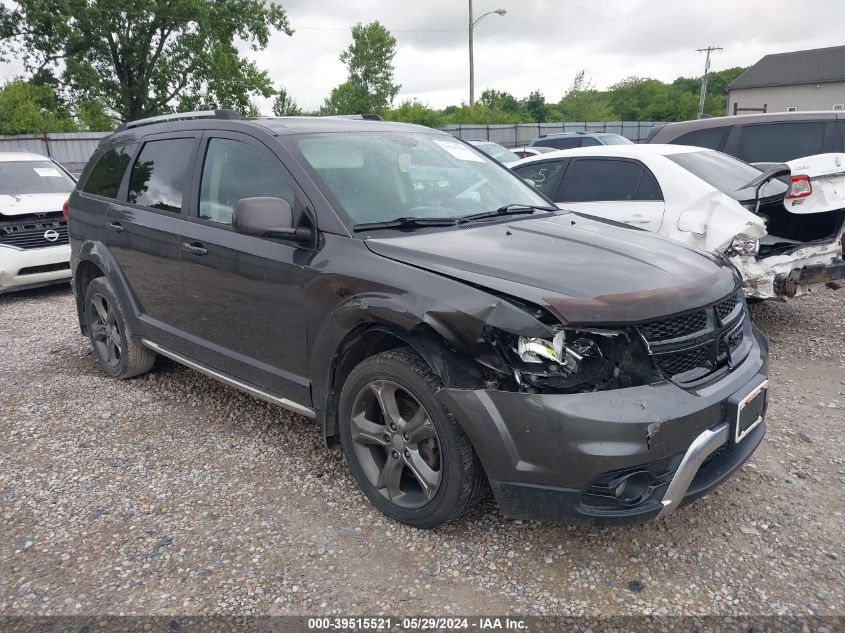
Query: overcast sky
point(538, 44)
point(542, 43)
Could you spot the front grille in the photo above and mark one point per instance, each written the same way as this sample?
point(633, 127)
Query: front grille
point(32, 231)
point(704, 340)
point(674, 327)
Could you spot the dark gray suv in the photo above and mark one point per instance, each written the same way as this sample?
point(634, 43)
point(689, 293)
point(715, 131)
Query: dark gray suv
point(445, 323)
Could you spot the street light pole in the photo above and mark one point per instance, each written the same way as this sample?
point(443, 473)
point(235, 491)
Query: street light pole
point(472, 24)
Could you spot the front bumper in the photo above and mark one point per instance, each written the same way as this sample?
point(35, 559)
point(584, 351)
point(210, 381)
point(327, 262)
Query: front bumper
point(30, 268)
point(557, 457)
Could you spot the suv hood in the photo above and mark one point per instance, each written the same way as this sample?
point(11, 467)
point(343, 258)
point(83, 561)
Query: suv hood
point(27, 203)
point(583, 270)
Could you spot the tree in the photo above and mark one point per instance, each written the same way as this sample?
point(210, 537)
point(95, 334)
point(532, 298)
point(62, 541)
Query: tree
point(630, 98)
point(144, 57)
point(584, 103)
point(499, 100)
point(27, 108)
point(535, 106)
point(284, 104)
point(413, 111)
point(369, 60)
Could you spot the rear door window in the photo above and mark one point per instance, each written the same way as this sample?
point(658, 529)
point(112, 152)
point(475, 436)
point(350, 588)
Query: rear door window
point(780, 142)
point(708, 138)
point(159, 174)
point(545, 175)
point(600, 180)
point(104, 179)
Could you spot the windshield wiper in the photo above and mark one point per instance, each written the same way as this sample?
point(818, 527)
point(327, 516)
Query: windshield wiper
point(403, 222)
point(508, 209)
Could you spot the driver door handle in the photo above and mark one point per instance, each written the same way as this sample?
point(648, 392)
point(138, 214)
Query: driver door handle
point(195, 247)
point(117, 227)
point(637, 218)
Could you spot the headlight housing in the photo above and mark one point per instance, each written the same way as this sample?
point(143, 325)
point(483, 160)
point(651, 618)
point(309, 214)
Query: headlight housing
point(570, 361)
point(744, 245)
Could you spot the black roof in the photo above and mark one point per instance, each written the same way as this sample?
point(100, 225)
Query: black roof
point(278, 126)
point(818, 65)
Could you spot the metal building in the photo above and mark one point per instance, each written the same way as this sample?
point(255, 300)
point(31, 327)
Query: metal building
point(791, 82)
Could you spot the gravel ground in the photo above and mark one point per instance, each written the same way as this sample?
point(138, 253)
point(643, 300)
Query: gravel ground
point(173, 494)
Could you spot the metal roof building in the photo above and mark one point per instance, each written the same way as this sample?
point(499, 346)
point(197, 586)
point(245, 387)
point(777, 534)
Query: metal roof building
point(788, 82)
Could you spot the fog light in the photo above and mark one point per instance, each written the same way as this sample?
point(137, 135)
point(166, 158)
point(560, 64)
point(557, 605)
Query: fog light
point(620, 488)
point(633, 487)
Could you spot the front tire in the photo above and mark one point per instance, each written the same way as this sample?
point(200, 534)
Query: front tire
point(110, 334)
point(408, 454)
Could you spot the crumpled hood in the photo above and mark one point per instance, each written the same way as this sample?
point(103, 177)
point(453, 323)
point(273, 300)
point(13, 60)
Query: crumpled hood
point(32, 203)
point(584, 270)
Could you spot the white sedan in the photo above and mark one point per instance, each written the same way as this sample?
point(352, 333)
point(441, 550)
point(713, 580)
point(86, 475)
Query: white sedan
point(786, 239)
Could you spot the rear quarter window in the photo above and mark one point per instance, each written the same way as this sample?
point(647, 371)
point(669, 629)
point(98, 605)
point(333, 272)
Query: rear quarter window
point(780, 142)
point(708, 138)
point(107, 173)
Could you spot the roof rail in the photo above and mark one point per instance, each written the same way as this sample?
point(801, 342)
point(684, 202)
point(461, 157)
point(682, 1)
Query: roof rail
point(364, 117)
point(179, 116)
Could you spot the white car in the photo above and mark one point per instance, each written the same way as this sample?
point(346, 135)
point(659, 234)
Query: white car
point(34, 248)
point(786, 239)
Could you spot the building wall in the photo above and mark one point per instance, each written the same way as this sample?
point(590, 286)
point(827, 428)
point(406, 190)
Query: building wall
point(779, 98)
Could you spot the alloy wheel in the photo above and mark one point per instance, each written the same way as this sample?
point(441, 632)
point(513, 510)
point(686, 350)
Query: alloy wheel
point(396, 444)
point(105, 331)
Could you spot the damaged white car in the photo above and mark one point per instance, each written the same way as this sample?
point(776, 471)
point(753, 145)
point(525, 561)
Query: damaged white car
point(782, 227)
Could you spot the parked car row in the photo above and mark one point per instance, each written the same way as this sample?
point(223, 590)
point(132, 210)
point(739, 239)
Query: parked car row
point(786, 239)
point(441, 320)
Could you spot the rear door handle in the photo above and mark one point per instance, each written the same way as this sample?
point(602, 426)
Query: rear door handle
point(195, 247)
point(117, 227)
point(637, 219)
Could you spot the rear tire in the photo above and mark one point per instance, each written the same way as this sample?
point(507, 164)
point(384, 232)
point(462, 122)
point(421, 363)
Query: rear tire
point(111, 336)
point(414, 463)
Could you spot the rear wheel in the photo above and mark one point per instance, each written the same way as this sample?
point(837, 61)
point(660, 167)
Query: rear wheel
point(111, 337)
point(408, 454)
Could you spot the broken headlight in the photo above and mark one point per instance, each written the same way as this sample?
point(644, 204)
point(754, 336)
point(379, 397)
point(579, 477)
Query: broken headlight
point(570, 361)
point(744, 245)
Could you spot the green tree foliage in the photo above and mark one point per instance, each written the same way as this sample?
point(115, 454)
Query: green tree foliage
point(497, 100)
point(413, 111)
point(27, 108)
point(369, 60)
point(146, 57)
point(284, 104)
point(480, 114)
point(536, 107)
point(583, 102)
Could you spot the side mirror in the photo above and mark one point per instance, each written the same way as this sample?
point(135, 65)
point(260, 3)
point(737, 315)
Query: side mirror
point(267, 217)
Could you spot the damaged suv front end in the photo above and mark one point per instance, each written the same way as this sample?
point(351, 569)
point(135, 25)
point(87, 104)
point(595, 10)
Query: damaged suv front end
point(598, 409)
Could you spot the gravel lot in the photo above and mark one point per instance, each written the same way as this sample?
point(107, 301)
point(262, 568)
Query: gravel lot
point(173, 494)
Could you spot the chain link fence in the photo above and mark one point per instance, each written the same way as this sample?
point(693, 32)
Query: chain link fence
point(516, 135)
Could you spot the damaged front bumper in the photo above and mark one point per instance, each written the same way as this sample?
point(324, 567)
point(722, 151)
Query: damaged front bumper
point(798, 272)
point(610, 457)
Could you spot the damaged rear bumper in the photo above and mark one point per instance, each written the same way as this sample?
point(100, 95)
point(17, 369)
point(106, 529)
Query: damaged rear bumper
point(566, 457)
point(789, 275)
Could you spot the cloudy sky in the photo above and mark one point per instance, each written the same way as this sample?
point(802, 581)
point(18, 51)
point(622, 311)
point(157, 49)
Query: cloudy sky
point(538, 44)
point(542, 43)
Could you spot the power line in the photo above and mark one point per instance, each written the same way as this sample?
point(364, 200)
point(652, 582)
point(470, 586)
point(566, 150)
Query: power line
point(703, 94)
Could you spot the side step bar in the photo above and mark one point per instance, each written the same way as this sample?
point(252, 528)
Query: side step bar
point(232, 382)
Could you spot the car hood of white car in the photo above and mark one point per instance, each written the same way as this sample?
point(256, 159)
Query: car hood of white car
point(23, 204)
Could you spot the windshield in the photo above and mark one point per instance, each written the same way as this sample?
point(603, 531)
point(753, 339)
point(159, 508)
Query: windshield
point(498, 152)
point(615, 139)
point(380, 176)
point(29, 176)
point(728, 174)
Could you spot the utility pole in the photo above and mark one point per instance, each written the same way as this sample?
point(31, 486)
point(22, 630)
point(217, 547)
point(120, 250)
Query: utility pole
point(472, 24)
point(471, 63)
point(703, 95)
